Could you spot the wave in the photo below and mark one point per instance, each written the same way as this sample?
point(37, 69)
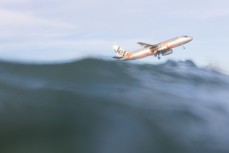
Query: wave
point(94, 105)
point(95, 71)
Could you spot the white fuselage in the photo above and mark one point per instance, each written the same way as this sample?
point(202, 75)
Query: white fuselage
point(163, 48)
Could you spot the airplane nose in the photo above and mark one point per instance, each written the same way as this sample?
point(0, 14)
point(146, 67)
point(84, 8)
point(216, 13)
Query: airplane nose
point(190, 38)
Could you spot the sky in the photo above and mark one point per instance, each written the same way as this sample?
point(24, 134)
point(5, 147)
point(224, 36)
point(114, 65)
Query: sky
point(62, 30)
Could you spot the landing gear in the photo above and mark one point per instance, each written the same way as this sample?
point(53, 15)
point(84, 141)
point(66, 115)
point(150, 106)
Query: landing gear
point(183, 47)
point(158, 56)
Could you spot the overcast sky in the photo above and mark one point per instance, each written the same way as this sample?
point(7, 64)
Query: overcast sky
point(53, 30)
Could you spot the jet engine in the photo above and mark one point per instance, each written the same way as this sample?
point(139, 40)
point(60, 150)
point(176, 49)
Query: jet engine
point(167, 52)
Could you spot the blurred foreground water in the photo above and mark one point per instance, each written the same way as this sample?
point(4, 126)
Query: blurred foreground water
point(96, 106)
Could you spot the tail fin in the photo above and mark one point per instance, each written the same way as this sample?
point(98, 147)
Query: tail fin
point(120, 53)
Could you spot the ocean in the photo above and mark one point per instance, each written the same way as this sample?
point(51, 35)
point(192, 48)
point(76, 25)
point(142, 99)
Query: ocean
point(102, 106)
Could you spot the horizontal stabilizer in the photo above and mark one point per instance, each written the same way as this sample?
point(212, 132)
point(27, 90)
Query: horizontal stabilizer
point(117, 57)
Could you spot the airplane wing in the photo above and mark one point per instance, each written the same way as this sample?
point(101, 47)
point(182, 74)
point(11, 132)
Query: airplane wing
point(146, 45)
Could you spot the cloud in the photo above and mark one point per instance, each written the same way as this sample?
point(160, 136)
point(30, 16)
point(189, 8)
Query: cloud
point(204, 9)
point(12, 1)
point(209, 14)
point(15, 24)
point(54, 50)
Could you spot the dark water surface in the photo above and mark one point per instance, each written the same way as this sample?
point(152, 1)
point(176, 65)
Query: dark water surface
point(96, 106)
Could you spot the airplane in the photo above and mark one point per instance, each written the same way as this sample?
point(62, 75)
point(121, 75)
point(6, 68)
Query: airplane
point(164, 48)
